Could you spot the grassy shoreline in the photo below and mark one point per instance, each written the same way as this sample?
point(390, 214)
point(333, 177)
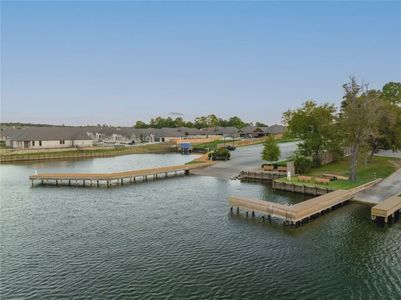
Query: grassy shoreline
point(379, 167)
point(241, 143)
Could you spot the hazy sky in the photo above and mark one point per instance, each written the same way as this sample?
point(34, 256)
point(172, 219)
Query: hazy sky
point(117, 62)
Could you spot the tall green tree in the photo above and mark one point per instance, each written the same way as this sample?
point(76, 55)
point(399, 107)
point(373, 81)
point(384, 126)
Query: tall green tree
point(359, 120)
point(316, 126)
point(271, 150)
point(391, 92)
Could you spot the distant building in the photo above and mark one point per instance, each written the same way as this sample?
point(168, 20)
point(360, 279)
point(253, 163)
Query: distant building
point(256, 132)
point(45, 137)
point(64, 137)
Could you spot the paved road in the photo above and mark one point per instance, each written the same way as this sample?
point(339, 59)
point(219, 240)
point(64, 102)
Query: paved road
point(389, 153)
point(244, 158)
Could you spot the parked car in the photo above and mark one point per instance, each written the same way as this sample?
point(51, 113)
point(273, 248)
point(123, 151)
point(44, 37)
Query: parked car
point(220, 154)
point(230, 148)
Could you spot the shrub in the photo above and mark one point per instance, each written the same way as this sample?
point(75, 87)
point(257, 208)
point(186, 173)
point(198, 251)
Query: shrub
point(302, 164)
point(271, 151)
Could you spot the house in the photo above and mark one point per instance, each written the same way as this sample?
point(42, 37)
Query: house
point(276, 130)
point(257, 132)
point(46, 137)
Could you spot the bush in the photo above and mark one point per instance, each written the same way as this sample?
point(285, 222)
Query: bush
point(271, 151)
point(302, 164)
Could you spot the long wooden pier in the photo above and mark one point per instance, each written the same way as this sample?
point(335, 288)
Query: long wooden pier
point(298, 213)
point(387, 208)
point(108, 179)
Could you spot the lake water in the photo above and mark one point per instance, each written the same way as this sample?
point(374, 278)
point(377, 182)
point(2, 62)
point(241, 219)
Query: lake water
point(175, 239)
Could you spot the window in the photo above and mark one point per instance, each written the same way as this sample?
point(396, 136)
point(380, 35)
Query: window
point(62, 142)
point(40, 143)
point(33, 143)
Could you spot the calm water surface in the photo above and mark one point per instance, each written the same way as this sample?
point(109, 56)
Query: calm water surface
point(175, 239)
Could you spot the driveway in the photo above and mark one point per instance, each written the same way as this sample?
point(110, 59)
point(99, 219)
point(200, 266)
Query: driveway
point(243, 158)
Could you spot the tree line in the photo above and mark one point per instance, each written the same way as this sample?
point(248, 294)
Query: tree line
point(199, 122)
point(367, 120)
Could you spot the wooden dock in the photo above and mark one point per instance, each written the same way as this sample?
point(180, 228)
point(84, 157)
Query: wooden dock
point(298, 213)
point(108, 179)
point(387, 208)
point(300, 188)
point(258, 175)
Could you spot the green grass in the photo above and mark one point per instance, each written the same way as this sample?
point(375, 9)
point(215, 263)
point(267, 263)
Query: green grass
point(195, 162)
point(214, 144)
point(286, 140)
point(379, 167)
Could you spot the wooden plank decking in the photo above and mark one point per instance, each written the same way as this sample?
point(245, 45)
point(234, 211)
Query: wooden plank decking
point(387, 208)
point(110, 178)
point(297, 213)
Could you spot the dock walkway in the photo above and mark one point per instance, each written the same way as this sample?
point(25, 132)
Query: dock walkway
point(387, 208)
point(109, 179)
point(297, 213)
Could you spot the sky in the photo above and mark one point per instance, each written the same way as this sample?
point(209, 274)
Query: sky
point(116, 62)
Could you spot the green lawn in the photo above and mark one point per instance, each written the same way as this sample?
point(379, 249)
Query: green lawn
point(380, 167)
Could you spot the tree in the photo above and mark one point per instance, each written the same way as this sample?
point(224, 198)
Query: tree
point(316, 126)
point(271, 151)
point(387, 132)
point(235, 122)
point(260, 124)
point(140, 124)
point(358, 120)
point(391, 92)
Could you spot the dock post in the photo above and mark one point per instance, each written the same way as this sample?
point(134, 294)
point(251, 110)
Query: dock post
point(42, 181)
point(32, 183)
point(134, 178)
point(130, 179)
point(231, 209)
point(253, 214)
point(246, 213)
point(122, 181)
point(237, 210)
point(385, 220)
point(69, 182)
point(56, 182)
point(97, 183)
point(186, 172)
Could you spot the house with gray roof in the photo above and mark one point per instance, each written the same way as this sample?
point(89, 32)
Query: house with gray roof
point(256, 132)
point(46, 138)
